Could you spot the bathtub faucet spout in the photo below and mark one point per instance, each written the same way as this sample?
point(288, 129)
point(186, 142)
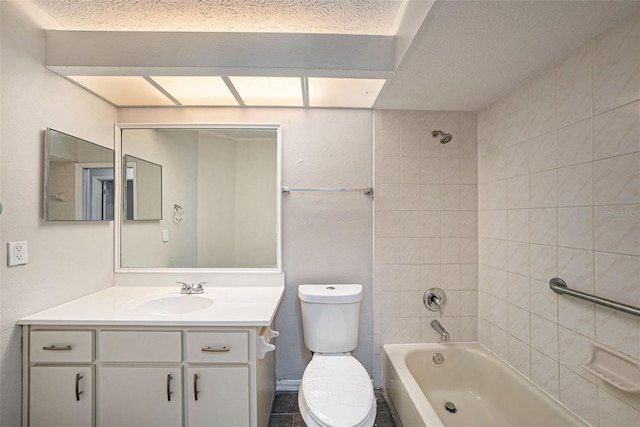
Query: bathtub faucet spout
point(444, 335)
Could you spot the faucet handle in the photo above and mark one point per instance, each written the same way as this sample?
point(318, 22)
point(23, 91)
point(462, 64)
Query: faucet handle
point(199, 287)
point(435, 299)
point(185, 286)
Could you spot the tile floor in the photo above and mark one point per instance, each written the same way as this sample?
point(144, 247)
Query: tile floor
point(285, 412)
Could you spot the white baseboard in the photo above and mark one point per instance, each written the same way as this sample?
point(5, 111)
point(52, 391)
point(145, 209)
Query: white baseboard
point(287, 385)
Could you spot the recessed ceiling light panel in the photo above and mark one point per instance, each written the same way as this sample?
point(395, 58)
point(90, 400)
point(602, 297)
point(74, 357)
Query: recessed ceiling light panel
point(337, 92)
point(269, 91)
point(124, 90)
point(197, 90)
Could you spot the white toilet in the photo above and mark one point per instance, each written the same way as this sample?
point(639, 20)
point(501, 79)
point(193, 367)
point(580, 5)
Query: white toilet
point(336, 390)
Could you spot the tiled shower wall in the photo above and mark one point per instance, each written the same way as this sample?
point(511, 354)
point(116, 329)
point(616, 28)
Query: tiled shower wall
point(426, 226)
point(559, 195)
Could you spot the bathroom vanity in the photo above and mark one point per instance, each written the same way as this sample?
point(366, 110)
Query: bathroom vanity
point(149, 356)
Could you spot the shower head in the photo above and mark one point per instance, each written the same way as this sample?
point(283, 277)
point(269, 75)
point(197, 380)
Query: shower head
point(444, 137)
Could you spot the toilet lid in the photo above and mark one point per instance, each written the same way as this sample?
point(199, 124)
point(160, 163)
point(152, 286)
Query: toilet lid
point(337, 390)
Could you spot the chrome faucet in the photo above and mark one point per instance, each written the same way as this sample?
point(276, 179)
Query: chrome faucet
point(191, 288)
point(444, 335)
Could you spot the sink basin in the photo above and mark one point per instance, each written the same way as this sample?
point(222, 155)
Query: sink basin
point(174, 304)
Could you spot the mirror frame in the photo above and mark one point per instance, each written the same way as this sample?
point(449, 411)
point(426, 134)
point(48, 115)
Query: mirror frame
point(47, 172)
point(118, 214)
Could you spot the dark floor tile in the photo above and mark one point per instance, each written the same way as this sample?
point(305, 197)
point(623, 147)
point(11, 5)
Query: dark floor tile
point(298, 421)
point(384, 420)
point(285, 402)
point(281, 420)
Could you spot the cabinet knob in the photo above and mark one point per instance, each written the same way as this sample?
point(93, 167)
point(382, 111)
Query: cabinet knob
point(54, 348)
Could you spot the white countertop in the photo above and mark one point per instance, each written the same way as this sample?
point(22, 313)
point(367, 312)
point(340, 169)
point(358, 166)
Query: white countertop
point(122, 305)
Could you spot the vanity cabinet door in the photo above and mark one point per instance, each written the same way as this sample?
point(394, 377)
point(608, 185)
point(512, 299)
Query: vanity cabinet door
point(140, 396)
point(61, 396)
point(218, 396)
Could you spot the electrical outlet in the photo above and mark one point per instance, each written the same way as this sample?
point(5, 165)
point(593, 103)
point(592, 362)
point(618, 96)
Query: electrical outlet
point(17, 253)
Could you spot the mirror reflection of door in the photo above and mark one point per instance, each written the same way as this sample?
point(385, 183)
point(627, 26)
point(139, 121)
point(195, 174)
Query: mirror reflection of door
point(97, 193)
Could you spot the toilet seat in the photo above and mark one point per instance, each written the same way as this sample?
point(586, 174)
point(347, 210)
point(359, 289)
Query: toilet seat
point(336, 391)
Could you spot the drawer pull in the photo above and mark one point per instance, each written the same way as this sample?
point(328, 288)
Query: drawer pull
point(54, 348)
point(78, 392)
point(224, 349)
point(195, 386)
point(169, 392)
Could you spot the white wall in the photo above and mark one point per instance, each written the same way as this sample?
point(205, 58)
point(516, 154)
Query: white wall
point(327, 238)
point(66, 260)
point(559, 196)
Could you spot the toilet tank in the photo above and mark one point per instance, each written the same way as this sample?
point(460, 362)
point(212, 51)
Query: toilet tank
point(330, 316)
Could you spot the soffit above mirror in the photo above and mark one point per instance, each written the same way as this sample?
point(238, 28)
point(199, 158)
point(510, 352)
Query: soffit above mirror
point(357, 45)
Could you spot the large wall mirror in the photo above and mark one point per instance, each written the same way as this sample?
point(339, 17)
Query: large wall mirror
point(78, 179)
point(208, 196)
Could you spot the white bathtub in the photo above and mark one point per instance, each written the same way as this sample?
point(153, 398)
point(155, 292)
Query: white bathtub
point(484, 390)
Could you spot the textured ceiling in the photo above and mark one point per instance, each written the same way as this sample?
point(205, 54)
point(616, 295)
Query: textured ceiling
point(294, 16)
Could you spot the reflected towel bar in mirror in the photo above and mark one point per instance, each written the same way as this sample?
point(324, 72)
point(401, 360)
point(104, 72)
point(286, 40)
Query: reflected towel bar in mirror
point(365, 190)
point(559, 286)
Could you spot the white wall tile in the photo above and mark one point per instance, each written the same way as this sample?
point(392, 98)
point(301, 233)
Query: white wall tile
point(388, 141)
point(617, 229)
point(518, 290)
point(544, 226)
point(468, 224)
point(469, 198)
point(574, 352)
point(387, 223)
point(575, 185)
point(518, 261)
point(543, 301)
point(450, 223)
point(518, 192)
point(430, 275)
point(543, 261)
point(410, 170)
point(519, 325)
point(575, 227)
point(430, 223)
point(431, 250)
point(411, 251)
point(618, 330)
point(450, 276)
point(542, 103)
point(430, 170)
point(617, 180)
point(545, 373)
point(518, 163)
point(388, 277)
point(450, 195)
point(575, 266)
point(575, 96)
point(614, 413)
point(544, 336)
point(468, 328)
point(543, 154)
point(410, 223)
point(617, 132)
point(579, 395)
point(575, 143)
point(450, 250)
point(518, 225)
point(410, 197)
point(617, 65)
point(431, 198)
point(390, 170)
point(388, 197)
point(469, 250)
point(577, 315)
point(543, 189)
point(410, 278)
point(618, 277)
point(520, 356)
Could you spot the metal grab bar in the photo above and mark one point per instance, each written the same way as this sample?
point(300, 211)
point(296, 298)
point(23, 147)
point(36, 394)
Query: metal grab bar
point(559, 286)
point(365, 190)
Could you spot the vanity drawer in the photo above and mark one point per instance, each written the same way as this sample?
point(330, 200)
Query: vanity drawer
point(218, 347)
point(140, 346)
point(61, 346)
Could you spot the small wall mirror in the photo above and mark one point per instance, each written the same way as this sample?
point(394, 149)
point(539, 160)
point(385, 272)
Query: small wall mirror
point(220, 201)
point(78, 178)
point(142, 189)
